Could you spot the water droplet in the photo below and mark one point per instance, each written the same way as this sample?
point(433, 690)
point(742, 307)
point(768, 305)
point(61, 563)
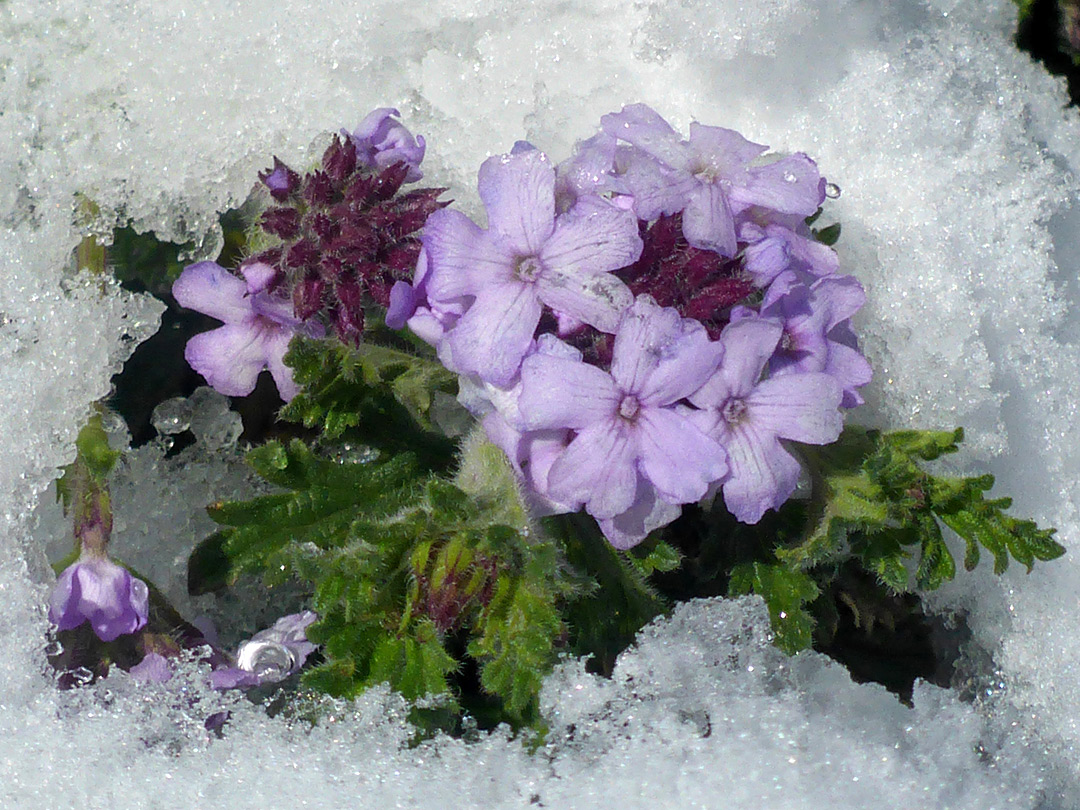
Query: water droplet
point(832, 191)
point(172, 416)
point(53, 648)
point(82, 676)
point(267, 659)
point(789, 177)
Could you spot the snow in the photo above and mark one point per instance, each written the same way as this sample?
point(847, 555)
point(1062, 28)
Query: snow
point(958, 166)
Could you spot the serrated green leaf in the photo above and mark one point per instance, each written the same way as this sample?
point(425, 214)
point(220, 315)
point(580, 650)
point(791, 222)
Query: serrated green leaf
point(960, 503)
point(658, 557)
point(515, 644)
point(372, 395)
point(415, 665)
point(786, 593)
point(924, 444)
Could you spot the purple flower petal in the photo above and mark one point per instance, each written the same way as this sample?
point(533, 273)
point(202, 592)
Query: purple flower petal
point(233, 678)
point(708, 222)
point(493, 335)
point(559, 392)
point(643, 127)
point(103, 593)
point(518, 191)
point(800, 407)
point(790, 185)
point(258, 276)
point(849, 368)
point(720, 151)
point(153, 668)
point(231, 357)
point(403, 300)
point(462, 258)
point(648, 512)
point(597, 469)
point(676, 457)
point(382, 142)
point(763, 473)
point(209, 288)
point(748, 345)
point(592, 237)
point(596, 300)
point(276, 345)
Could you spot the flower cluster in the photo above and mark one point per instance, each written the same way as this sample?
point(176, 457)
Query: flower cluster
point(646, 323)
point(338, 239)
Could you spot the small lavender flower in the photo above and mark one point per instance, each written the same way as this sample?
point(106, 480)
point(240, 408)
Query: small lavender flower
point(258, 327)
point(817, 334)
point(528, 258)
point(270, 655)
point(749, 416)
point(95, 589)
point(382, 142)
point(632, 435)
point(709, 178)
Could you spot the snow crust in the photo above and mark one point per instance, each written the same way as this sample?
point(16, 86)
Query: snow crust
point(958, 166)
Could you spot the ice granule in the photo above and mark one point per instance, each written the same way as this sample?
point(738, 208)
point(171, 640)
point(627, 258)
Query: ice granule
point(958, 166)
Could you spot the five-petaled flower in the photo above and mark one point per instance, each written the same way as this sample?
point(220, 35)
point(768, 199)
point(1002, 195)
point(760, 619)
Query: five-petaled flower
point(528, 258)
point(635, 443)
point(749, 416)
point(258, 327)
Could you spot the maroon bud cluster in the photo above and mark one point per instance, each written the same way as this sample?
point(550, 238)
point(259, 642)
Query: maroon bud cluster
point(700, 284)
point(348, 235)
point(449, 604)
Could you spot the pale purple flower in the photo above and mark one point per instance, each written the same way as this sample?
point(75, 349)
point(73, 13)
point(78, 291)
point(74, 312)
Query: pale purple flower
point(258, 327)
point(749, 416)
point(817, 332)
point(527, 258)
point(411, 305)
point(95, 589)
point(775, 247)
point(709, 178)
point(270, 655)
point(632, 433)
point(381, 141)
point(593, 170)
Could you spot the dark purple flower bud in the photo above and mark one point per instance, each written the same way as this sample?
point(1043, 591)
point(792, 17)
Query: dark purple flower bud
point(339, 160)
point(400, 260)
point(270, 256)
point(324, 227)
point(348, 325)
point(280, 221)
point(710, 304)
point(331, 269)
point(318, 188)
point(308, 296)
point(303, 254)
point(281, 180)
point(382, 141)
point(387, 182)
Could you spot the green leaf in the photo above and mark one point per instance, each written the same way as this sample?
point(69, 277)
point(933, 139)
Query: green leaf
point(962, 506)
point(649, 558)
point(829, 235)
point(515, 644)
point(373, 395)
point(416, 665)
point(786, 593)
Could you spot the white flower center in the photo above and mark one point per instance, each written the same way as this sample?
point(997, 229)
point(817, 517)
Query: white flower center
point(528, 268)
point(733, 411)
point(629, 407)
